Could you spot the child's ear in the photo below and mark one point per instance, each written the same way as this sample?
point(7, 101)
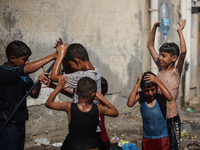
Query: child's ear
point(174, 58)
point(12, 59)
point(77, 61)
point(93, 95)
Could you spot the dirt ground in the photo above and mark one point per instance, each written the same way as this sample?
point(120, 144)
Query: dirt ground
point(131, 130)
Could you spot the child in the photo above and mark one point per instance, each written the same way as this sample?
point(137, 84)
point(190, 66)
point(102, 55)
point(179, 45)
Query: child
point(105, 141)
point(74, 58)
point(14, 83)
point(170, 75)
point(153, 110)
point(83, 116)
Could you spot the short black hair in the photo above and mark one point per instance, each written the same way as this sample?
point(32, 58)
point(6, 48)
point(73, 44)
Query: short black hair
point(17, 49)
point(144, 83)
point(104, 86)
point(76, 50)
point(171, 48)
point(85, 87)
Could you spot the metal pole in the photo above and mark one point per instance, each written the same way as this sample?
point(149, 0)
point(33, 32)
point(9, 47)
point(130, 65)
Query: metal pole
point(49, 69)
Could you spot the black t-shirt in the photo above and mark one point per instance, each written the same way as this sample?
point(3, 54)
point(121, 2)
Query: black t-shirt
point(14, 84)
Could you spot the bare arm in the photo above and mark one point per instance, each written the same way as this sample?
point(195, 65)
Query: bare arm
point(110, 111)
point(134, 96)
point(165, 91)
point(35, 65)
point(36, 91)
point(61, 49)
point(182, 46)
point(65, 106)
point(44, 79)
point(150, 44)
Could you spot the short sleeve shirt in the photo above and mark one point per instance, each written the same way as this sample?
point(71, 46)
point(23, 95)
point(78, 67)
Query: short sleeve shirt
point(73, 79)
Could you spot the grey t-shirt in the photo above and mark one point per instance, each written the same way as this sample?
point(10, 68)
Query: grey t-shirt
point(73, 79)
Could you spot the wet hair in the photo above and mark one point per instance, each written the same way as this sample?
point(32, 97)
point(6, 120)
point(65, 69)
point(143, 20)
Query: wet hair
point(17, 49)
point(76, 50)
point(171, 48)
point(144, 82)
point(104, 86)
point(85, 87)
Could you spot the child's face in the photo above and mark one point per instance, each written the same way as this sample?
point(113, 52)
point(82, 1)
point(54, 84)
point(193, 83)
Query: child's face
point(150, 93)
point(20, 61)
point(74, 66)
point(166, 59)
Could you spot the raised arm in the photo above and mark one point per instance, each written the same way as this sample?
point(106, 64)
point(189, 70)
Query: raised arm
point(110, 110)
point(164, 90)
point(150, 44)
point(35, 65)
point(182, 46)
point(64, 106)
point(134, 96)
point(61, 49)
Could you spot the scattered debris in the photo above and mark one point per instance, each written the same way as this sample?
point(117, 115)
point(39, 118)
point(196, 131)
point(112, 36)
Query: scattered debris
point(42, 141)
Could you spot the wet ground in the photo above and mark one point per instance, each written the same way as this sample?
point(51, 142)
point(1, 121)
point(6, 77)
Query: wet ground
point(190, 131)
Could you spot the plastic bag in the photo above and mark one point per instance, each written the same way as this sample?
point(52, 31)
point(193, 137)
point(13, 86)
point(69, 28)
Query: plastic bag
point(129, 146)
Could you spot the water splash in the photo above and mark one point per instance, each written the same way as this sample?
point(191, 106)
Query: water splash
point(165, 38)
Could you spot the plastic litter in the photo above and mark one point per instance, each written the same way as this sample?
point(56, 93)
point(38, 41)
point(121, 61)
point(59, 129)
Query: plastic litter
point(189, 110)
point(42, 141)
point(129, 146)
point(57, 144)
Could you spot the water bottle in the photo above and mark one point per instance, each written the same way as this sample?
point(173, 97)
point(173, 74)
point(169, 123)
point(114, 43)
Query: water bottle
point(164, 18)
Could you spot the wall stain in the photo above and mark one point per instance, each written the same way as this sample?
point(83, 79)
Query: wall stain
point(9, 31)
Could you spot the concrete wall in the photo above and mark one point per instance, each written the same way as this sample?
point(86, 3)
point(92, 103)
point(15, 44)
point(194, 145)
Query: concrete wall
point(114, 32)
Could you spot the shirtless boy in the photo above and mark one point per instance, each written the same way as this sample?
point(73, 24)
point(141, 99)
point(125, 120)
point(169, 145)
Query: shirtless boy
point(170, 74)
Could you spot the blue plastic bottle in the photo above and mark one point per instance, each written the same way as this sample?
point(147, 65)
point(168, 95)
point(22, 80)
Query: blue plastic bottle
point(164, 18)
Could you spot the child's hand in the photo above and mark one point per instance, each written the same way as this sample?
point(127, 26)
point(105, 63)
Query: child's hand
point(182, 25)
point(44, 79)
point(61, 83)
point(150, 78)
point(157, 24)
point(139, 79)
point(98, 96)
point(60, 46)
point(58, 42)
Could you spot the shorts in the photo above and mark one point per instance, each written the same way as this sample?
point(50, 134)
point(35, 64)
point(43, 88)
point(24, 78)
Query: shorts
point(155, 144)
point(174, 129)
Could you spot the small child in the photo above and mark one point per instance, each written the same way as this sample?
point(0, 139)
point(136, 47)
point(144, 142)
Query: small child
point(14, 83)
point(153, 110)
point(170, 75)
point(105, 140)
point(83, 116)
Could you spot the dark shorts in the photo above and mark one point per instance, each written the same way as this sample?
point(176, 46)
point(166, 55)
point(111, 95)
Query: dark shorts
point(174, 129)
point(155, 144)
